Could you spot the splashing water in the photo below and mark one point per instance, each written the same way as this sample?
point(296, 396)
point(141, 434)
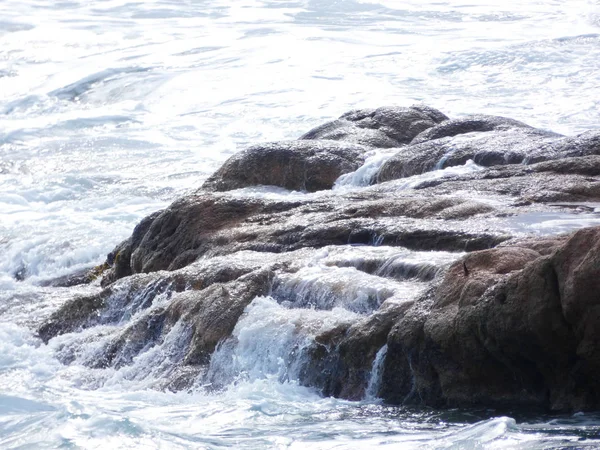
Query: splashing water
point(111, 109)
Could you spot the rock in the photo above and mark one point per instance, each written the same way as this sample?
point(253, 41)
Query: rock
point(110, 305)
point(184, 227)
point(492, 142)
point(543, 245)
point(138, 292)
point(467, 280)
point(551, 181)
point(577, 269)
point(506, 327)
point(354, 353)
point(346, 131)
point(213, 312)
point(75, 315)
point(585, 144)
point(211, 224)
point(119, 260)
point(295, 165)
point(199, 318)
point(499, 316)
point(584, 165)
point(470, 124)
point(384, 127)
point(498, 147)
point(79, 277)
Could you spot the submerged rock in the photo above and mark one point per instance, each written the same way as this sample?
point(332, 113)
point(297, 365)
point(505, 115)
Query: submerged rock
point(460, 299)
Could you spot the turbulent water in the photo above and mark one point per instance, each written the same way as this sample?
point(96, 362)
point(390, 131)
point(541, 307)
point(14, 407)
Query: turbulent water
point(111, 109)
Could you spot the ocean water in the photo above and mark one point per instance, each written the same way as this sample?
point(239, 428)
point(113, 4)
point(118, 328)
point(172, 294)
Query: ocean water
point(110, 109)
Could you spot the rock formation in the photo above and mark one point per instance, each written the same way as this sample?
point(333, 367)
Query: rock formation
point(443, 261)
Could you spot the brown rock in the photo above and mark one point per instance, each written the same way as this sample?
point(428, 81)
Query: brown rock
point(295, 165)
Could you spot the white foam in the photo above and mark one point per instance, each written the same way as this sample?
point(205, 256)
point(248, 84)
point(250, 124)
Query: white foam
point(364, 175)
point(376, 374)
point(110, 110)
point(416, 180)
point(325, 288)
point(270, 340)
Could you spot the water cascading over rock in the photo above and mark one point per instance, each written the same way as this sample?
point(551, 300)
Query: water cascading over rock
point(424, 261)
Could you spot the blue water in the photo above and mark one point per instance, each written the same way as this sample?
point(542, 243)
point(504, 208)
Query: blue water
point(110, 109)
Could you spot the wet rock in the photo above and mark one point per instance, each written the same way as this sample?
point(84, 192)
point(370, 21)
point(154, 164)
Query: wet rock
point(74, 316)
point(513, 322)
point(584, 165)
point(295, 165)
point(543, 245)
point(79, 277)
point(118, 302)
point(185, 226)
point(119, 259)
point(384, 127)
point(470, 124)
point(136, 293)
point(499, 142)
point(577, 268)
point(396, 265)
point(497, 147)
point(195, 321)
point(347, 131)
point(213, 312)
point(357, 350)
point(506, 327)
point(207, 224)
point(585, 144)
point(185, 314)
point(546, 182)
point(467, 280)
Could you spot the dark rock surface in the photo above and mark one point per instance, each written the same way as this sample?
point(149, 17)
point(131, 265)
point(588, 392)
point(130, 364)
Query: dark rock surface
point(463, 275)
point(382, 127)
point(487, 141)
point(296, 165)
point(494, 148)
point(505, 327)
point(470, 124)
point(210, 224)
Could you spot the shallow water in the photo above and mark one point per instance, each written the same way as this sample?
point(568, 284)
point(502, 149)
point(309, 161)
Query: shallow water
point(111, 109)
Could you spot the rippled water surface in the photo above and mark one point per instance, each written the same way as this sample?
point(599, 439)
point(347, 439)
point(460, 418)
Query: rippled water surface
point(110, 109)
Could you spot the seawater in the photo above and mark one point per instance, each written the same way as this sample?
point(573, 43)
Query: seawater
point(111, 109)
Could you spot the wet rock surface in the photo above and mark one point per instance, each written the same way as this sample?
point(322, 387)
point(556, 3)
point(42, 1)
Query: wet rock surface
point(457, 278)
point(384, 127)
point(470, 124)
point(504, 327)
point(294, 165)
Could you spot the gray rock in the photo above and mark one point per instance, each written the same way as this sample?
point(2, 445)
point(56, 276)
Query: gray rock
point(295, 165)
point(384, 127)
point(470, 124)
point(498, 147)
